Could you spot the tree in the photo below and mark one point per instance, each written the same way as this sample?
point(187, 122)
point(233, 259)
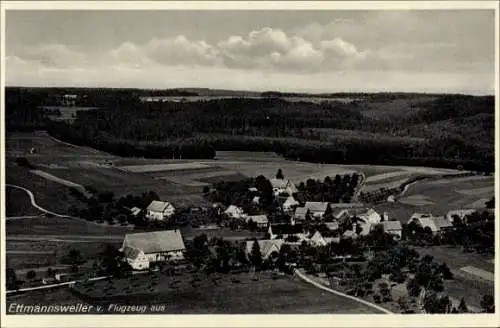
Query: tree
point(445, 271)
point(462, 308)
point(206, 189)
point(279, 175)
point(11, 279)
point(255, 254)
point(30, 274)
point(50, 273)
point(413, 287)
point(385, 291)
point(403, 305)
point(112, 262)
point(488, 303)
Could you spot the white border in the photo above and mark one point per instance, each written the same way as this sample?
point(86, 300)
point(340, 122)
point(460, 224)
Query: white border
point(247, 320)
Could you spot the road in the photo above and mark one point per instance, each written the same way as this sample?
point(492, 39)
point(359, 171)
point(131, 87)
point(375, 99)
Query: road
point(304, 277)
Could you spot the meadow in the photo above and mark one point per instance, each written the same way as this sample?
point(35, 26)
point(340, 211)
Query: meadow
point(228, 294)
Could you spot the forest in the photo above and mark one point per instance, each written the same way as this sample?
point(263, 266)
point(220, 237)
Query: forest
point(452, 131)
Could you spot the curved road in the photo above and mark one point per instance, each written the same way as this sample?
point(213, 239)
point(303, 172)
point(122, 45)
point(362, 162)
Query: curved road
point(33, 203)
point(356, 299)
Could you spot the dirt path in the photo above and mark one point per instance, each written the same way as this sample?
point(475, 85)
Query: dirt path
point(34, 204)
point(359, 300)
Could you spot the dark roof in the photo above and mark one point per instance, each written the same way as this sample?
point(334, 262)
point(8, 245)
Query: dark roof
point(287, 229)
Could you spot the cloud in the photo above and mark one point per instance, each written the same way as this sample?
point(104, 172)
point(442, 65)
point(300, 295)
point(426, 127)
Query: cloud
point(53, 55)
point(354, 54)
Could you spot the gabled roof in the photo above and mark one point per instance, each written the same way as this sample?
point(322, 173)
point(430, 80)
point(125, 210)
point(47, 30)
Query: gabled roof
point(391, 225)
point(441, 222)
point(460, 213)
point(233, 209)
point(283, 184)
point(155, 241)
point(135, 210)
point(428, 222)
point(287, 229)
point(158, 206)
point(290, 201)
point(262, 219)
point(265, 246)
point(316, 206)
point(300, 213)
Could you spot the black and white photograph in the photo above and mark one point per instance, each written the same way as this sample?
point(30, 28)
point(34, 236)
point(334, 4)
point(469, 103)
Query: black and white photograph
point(267, 160)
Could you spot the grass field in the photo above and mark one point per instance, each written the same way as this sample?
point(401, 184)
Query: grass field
point(448, 194)
point(17, 203)
point(48, 194)
point(63, 226)
point(259, 294)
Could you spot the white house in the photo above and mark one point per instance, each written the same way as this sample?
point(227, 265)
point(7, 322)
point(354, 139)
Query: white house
point(436, 224)
point(283, 186)
point(285, 230)
point(135, 211)
point(141, 249)
point(260, 220)
point(300, 214)
point(159, 210)
point(393, 227)
point(267, 247)
point(317, 209)
point(319, 239)
point(234, 212)
point(289, 204)
point(370, 216)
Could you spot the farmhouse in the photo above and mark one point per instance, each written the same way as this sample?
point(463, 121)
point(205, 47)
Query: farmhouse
point(141, 249)
point(285, 230)
point(436, 224)
point(267, 247)
point(332, 226)
point(260, 220)
point(393, 228)
point(460, 213)
point(317, 209)
point(283, 186)
point(234, 212)
point(159, 210)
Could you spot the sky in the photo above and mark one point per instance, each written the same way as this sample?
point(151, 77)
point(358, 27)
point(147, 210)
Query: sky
point(445, 51)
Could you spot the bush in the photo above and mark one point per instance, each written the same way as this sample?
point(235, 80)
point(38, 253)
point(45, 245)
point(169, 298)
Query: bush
point(30, 274)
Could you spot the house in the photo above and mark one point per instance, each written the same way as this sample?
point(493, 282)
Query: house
point(460, 213)
point(158, 210)
point(317, 209)
point(288, 203)
point(260, 220)
point(341, 214)
point(140, 249)
point(283, 186)
point(350, 234)
point(369, 216)
point(436, 224)
point(393, 227)
point(324, 238)
point(300, 214)
point(256, 200)
point(234, 212)
point(253, 189)
point(134, 211)
point(267, 247)
point(284, 230)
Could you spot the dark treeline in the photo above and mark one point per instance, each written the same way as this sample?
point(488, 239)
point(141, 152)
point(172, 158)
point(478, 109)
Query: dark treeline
point(125, 126)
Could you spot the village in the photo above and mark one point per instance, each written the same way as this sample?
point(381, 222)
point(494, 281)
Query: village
point(281, 228)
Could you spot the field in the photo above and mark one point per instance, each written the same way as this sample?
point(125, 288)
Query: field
point(440, 196)
point(267, 295)
point(18, 203)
